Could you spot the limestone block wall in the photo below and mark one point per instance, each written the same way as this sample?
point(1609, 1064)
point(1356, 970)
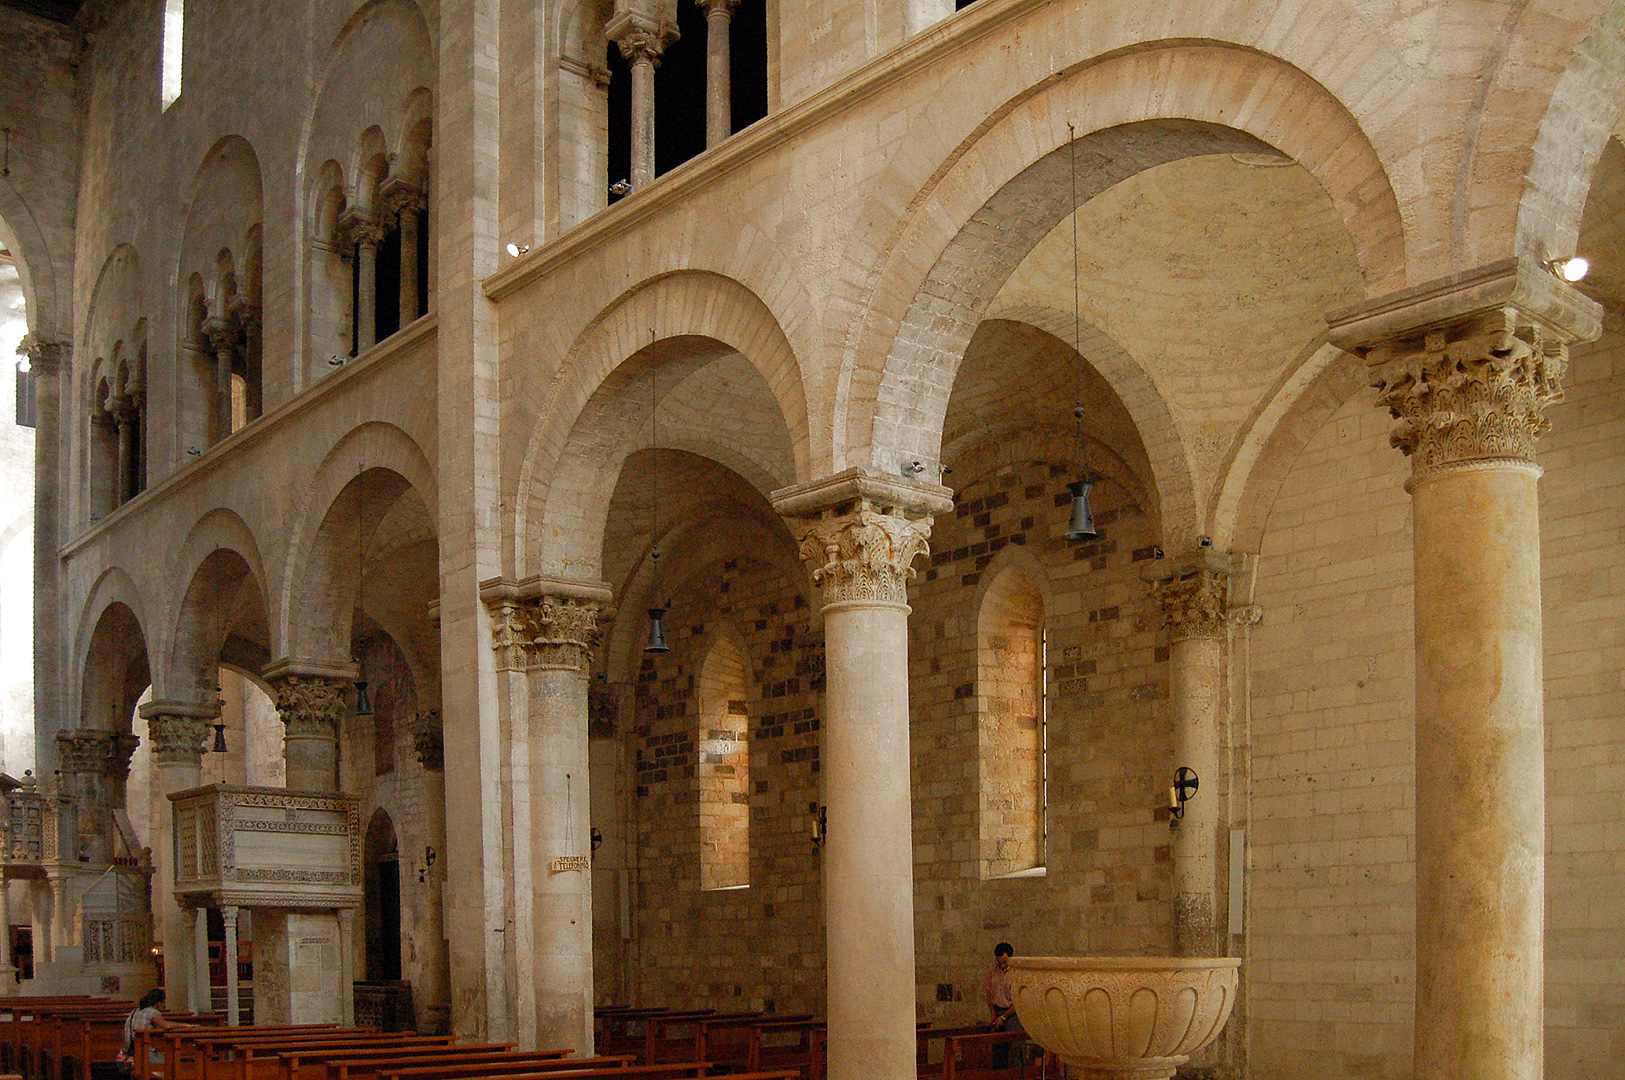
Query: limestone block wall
point(760, 946)
point(1107, 882)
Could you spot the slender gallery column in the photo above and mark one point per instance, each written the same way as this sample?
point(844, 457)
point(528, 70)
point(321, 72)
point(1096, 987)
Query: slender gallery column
point(222, 338)
point(228, 915)
point(366, 290)
point(411, 221)
point(46, 360)
point(860, 534)
point(123, 410)
point(310, 707)
point(1467, 368)
point(176, 731)
point(1193, 599)
point(642, 40)
point(718, 70)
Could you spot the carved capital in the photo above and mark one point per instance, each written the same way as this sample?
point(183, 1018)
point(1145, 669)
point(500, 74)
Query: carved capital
point(177, 739)
point(428, 740)
point(82, 752)
point(359, 228)
point(400, 193)
point(863, 553)
point(221, 335)
point(1472, 391)
point(1193, 603)
point(641, 37)
point(722, 9)
point(45, 358)
point(310, 705)
point(547, 632)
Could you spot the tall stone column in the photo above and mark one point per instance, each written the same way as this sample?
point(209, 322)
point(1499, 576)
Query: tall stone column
point(860, 534)
point(549, 628)
point(432, 997)
point(1193, 606)
point(46, 359)
point(311, 707)
point(228, 916)
point(412, 204)
point(123, 410)
point(176, 731)
point(221, 336)
point(1467, 368)
point(718, 70)
point(642, 40)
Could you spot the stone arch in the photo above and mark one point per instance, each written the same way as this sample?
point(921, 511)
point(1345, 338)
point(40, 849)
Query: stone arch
point(1308, 397)
point(694, 319)
point(115, 671)
point(220, 616)
point(357, 484)
point(1009, 186)
point(115, 590)
point(1585, 108)
point(47, 295)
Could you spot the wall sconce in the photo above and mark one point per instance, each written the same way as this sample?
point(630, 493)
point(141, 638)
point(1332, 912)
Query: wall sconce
point(428, 861)
point(820, 825)
point(1569, 270)
point(597, 839)
point(621, 187)
point(1181, 792)
point(516, 250)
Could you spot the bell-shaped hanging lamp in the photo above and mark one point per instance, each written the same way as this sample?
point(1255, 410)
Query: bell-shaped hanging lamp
point(1083, 523)
point(220, 738)
point(363, 698)
point(657, 631)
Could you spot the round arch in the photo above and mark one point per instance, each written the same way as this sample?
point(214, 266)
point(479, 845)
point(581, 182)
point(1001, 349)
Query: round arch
point(369, 469)
point(223, 592)
point(1010, 186)
point(706, 316)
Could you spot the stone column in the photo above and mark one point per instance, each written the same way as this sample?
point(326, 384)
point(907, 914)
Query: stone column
point(123, 413)
point(860, 534)
point(228, 915)
point(642, 40)
point(1193, 606)
point(432, 997)
point(1467, 368)
point(311, 707)
point(718, 70)
point(221, 336)
point(46, 359)
point(8, 966)
point(366, 290)
point(86, 759)
point(176, 731)
point(412, 204)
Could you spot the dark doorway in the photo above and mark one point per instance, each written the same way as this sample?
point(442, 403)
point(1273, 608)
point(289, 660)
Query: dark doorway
point(382, 890)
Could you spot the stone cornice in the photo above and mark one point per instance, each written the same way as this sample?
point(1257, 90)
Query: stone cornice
point(888, 493)
point(1538, 295)
point(374, 362)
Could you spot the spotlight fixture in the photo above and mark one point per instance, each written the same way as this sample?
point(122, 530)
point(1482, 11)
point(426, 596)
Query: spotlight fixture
point(337, 361)
point(192, 451)
point(1181, 791)
point(621, 187)
point(516, 250)
point(1570, 269)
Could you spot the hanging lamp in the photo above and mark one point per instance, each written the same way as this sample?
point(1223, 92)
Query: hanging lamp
point(657, 614)
point(1082, 525)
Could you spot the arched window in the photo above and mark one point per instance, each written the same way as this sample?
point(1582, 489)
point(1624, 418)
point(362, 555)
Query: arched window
point(103, 449)
point(724, 767)
point(1012, 733)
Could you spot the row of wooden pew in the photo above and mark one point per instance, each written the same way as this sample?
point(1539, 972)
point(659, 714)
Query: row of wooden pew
point(58, 1037)
point(752, 1041)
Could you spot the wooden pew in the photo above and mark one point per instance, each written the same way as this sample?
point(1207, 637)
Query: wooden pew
point(786, 1044)
point(970, 1057)
point(679, 1036)
point(256, 1057)
point(669, 1071)
point(310, 1062)
point(87, 1039)
point(725, 1040)
point(180, 1054)
point(500, 1068)
point(42, 1036)
point(15, 1011)
point(369, 1068)
point(625, 1030)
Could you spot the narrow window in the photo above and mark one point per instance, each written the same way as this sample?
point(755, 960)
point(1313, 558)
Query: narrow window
point(1011, 728)
point(174, 35)
point(724, 768)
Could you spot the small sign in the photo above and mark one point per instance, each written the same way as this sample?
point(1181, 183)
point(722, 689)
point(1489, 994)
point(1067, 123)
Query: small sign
point(569, 862)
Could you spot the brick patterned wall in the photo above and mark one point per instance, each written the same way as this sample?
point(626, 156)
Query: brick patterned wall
point(731, 948)
point(1107, 882)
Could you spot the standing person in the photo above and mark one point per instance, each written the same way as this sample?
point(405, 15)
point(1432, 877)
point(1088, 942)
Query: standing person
point(148, 1015)
point(1001, 1009)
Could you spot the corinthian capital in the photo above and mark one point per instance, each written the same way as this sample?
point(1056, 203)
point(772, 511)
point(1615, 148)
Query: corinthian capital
point(176, 730)
point(82, 751)
point(641, 36)
point(45, 358)
point(1193, 603)
point(544, 623)
point(1468, 366)
point(310, 705)
point(860, 532)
